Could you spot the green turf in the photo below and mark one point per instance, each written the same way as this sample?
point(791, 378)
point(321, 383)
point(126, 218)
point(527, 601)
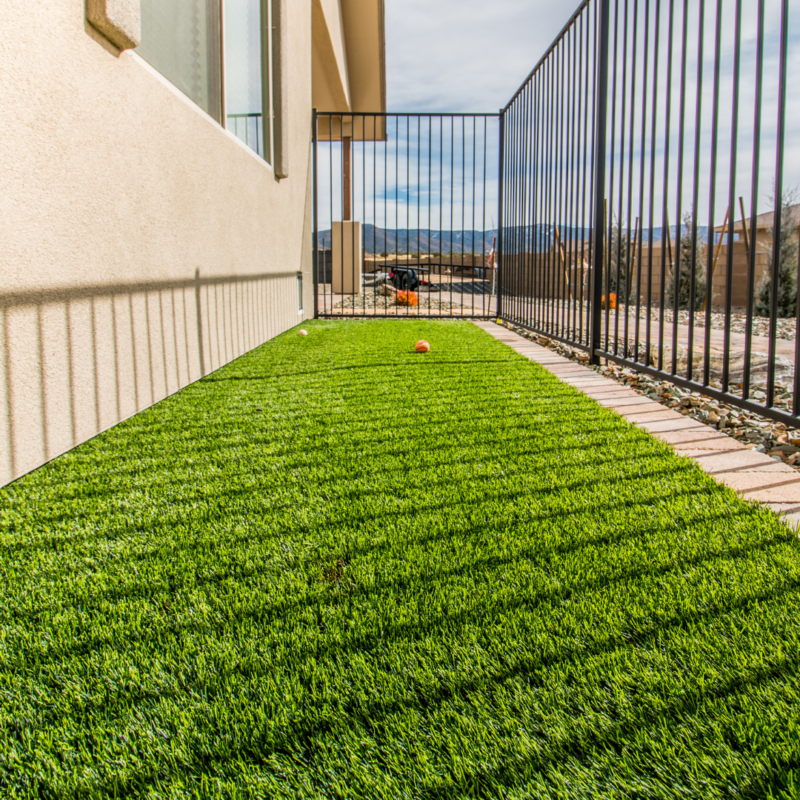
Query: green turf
point(337, 568)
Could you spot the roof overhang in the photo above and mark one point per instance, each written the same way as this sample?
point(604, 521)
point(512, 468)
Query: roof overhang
point(349, 67)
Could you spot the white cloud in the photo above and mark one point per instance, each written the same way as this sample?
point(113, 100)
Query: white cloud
point(465, 55)
point(472, 55)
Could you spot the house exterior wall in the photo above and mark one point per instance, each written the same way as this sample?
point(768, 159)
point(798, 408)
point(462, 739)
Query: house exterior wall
point(141, 245)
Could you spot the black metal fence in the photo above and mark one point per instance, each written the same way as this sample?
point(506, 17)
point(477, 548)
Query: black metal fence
point(627, 177)
point(405, 206)
point(248, 128)
point(637, 157)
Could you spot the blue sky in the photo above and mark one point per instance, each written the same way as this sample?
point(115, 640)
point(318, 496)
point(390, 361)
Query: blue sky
point(465, 55)
point(472, 55)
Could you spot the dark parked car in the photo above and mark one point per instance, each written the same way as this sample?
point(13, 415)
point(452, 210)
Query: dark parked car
point(406, 278)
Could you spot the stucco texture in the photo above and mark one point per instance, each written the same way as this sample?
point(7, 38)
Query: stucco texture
point(141, 246)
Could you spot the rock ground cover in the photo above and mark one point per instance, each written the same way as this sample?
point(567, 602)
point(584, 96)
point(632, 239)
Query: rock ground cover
point(339, 568)
point(374, 300)
point(384, 299)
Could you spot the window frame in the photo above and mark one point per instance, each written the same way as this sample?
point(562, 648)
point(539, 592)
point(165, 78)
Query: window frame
point(271, 144)
point(271, 73)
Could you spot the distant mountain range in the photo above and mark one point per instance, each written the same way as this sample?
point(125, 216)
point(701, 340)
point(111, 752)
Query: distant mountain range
point(378, 240)
point(530, 238)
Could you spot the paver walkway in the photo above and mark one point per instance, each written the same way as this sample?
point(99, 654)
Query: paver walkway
point(753, 475)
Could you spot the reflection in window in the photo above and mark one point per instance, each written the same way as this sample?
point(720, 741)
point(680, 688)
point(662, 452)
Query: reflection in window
point(245, 79)
point(181, 39)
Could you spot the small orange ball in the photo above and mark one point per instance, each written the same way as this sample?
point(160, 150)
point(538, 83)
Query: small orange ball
point(422, 346)
point(302, 333)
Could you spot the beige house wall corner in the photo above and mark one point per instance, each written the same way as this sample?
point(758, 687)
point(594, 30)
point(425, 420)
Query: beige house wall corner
point(142, 246)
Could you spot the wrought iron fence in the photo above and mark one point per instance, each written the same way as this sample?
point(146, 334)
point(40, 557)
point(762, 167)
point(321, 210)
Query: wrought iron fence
point(627, 176)
point(637, 157)
point(248, 128)
point(404, 211)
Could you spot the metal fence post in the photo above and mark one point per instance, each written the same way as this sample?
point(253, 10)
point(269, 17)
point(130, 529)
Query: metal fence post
point(598, 237)
point(500, 211)
point(315, 244)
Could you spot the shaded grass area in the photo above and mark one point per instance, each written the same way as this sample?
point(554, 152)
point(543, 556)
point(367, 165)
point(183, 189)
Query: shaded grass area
point(337, 568)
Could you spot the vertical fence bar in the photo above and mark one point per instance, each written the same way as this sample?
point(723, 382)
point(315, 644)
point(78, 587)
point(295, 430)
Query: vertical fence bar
point(676, 268)
point(587, 172)
point(712, 196)
point(619, 221)
point(535, 276)
point(315, 212)
point(599, 178)
point(330, 207)
point(753, 236)
point(778, 193)
point(666, 233)
point(575, 126)
point(631, 134)
point(550, 213)
point(518, 192)
point(642, 150)
point(726, 352)
point(651, 212)
point(560, 189)
point(591, 58)
point(500, 220)
point(609, 206)
point(696, 190)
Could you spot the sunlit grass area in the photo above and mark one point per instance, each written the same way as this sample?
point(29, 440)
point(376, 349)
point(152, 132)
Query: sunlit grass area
point(339, 568)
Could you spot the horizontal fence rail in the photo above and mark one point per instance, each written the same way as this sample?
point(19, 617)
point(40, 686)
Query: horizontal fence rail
point(406, 208)
point(647, 217)
point(248, 128)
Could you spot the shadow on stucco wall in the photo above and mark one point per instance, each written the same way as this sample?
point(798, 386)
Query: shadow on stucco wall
point(75, 362)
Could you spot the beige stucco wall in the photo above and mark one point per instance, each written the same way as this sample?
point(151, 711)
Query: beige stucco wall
point(331, 85)
point(141, 246)
point(349, 64)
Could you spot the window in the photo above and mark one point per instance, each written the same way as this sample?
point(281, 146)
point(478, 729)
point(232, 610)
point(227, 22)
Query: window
point(181, 39)
point(248, 76)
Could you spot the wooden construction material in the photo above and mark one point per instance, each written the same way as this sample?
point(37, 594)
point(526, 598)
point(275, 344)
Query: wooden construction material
point(709, 288)
point(745, 229)
point(562, 259)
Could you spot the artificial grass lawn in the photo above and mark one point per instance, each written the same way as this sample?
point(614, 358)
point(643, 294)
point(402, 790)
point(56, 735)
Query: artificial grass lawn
point(424, 576)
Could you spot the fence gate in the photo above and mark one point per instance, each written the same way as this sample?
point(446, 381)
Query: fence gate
point(632, 200)
point(405, 216)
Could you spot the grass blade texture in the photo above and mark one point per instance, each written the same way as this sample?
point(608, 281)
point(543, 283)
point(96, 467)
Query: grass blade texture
point(339, 568)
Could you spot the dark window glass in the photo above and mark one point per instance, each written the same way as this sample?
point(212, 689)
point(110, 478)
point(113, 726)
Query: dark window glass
point(181, 39)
